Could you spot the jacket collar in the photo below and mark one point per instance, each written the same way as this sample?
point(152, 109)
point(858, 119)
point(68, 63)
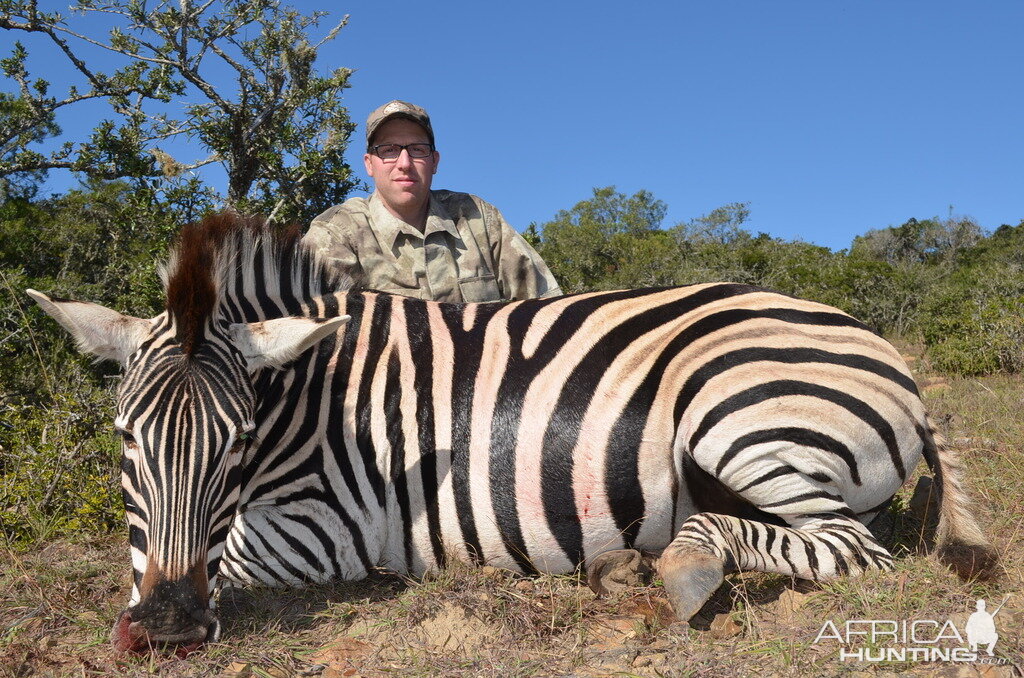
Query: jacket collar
point(388, 226)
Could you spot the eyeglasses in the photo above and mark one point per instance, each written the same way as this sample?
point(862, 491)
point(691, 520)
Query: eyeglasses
point(392, 151)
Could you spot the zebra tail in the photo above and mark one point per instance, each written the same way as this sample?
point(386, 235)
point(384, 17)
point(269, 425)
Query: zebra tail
point(961, 545)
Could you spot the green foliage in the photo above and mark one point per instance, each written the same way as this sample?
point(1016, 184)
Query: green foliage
point(607, 240)
point(973, 323)
point(57, 459)
point(58, 454)
point(281, 136)
point(941, 280)
point(928, 241)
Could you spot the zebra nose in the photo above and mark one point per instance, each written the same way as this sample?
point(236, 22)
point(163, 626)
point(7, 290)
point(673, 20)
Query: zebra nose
point(171, 612)
point(132, 636)
point(128, 635)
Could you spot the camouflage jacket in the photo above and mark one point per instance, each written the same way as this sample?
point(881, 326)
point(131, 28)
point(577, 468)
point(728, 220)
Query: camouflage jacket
point(467, 252)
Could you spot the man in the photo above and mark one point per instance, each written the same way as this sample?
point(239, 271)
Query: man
point(408, 239)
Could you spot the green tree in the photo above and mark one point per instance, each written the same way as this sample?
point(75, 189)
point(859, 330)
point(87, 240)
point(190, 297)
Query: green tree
point(927, 241)
point(602, 242)
point(280, 136)
point(722, 225)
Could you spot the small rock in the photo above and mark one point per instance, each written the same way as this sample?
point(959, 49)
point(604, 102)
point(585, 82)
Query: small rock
point(642, 660)
point(789, 602)
point(490, 571)
point(609, 632)
point(723, 626)
point(524, 586)
point(238, 670)
point(624, 625)
point(655, 609)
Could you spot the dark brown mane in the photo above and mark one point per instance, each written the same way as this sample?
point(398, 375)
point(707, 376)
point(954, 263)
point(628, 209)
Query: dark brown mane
point(191, 285)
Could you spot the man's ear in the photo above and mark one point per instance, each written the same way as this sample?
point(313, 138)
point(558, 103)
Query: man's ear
point(272, 343)
point(97, 329)
point(437, 160)
point(368, 163)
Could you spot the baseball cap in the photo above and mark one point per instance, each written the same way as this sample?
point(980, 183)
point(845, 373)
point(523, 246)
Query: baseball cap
point(398, 109)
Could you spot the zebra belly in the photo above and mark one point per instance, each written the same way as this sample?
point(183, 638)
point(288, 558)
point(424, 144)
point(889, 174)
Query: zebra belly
point(536, 540)
point(787, 447)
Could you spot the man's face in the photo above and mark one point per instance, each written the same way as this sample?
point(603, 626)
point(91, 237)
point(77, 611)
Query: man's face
point(403, 183)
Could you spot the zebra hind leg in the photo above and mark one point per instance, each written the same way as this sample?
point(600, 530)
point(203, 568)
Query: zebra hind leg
point(817, 546)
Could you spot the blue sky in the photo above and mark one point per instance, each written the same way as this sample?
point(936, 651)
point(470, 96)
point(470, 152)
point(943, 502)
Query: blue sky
point(829, 118)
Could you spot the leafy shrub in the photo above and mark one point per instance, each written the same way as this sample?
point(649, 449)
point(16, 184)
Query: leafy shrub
point(59, 460)
point(975, 330)
point(58, 452)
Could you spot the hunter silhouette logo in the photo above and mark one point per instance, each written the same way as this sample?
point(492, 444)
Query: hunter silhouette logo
point(916, 640)
point(981, 628)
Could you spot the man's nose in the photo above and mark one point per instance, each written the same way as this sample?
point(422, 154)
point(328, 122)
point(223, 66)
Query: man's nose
point(404, 159)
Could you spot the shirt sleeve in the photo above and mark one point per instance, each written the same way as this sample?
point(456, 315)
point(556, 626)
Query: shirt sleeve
point(521, 272)
point(328, 236)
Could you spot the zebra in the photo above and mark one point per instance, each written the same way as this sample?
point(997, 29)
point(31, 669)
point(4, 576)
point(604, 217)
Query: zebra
point(281, 426)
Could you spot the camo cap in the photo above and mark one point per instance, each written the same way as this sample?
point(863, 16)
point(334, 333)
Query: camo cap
point(398, 109)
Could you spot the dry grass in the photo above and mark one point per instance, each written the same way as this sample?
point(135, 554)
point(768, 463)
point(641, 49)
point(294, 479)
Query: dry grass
point(58, 603)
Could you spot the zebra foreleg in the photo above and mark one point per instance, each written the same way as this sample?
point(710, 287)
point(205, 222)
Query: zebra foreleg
point(709, 545)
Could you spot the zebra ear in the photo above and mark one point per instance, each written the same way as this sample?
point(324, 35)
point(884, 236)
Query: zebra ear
point(96, 329)
point(272, 343)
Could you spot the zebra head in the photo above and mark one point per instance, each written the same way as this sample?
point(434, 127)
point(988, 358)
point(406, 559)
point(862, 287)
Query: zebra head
point(185, 412)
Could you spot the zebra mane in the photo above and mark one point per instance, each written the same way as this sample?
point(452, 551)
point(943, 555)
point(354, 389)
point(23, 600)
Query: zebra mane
point(237, 268)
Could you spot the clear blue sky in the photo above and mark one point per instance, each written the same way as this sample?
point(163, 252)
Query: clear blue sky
point(829, 118)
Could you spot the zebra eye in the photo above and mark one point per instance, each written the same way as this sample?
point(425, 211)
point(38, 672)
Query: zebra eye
point(128, 439)
point(241, 439)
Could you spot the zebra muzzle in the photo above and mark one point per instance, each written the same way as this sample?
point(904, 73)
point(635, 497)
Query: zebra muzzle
point(173, 614)
point(128, 635)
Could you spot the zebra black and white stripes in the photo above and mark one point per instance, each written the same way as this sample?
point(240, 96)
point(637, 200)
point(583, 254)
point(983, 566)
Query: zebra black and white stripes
point(726, 426)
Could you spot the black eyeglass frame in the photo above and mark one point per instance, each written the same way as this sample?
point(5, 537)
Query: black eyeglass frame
point(375, 149)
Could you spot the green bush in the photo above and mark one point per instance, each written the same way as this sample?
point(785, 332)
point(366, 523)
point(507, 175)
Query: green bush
point(975, 330)
point(963, 356)
point(60, 457)
point(58, 452)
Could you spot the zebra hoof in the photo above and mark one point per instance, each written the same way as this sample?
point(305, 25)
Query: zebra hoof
point(690, 579)
point(616, 571)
